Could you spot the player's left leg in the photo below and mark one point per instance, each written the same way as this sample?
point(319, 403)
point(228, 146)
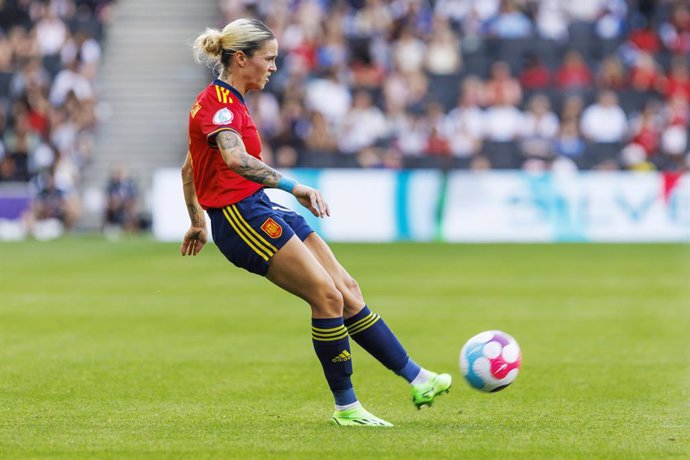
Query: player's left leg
point(370, 331)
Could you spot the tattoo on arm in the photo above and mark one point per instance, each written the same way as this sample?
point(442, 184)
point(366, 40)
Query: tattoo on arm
point(196, 215)
point(246, 165)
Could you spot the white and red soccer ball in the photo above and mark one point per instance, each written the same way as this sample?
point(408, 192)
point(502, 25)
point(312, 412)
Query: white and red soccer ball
point(490, 361)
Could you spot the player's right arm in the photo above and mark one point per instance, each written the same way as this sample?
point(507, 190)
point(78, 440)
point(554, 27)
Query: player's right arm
point(238, 160)
point(197, 235)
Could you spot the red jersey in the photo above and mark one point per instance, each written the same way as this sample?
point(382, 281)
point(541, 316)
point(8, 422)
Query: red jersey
point(220, 107)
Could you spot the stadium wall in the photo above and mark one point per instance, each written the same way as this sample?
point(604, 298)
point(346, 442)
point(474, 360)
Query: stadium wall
point(428, 205)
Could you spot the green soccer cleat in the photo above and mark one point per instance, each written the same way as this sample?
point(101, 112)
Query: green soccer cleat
point(357, 416)
point(425, 393)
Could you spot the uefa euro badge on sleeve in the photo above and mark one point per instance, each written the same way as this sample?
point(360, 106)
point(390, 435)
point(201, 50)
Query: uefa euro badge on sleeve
point(222, 117)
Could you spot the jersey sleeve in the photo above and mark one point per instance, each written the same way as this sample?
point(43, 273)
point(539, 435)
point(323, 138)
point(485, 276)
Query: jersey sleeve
point(220, 116)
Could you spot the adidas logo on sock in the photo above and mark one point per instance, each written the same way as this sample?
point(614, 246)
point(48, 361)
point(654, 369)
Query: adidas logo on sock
point(344, 356)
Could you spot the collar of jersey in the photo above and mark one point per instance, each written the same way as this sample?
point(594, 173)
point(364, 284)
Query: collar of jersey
point(226, 86)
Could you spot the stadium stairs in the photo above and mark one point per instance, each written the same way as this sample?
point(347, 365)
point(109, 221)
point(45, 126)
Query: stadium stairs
point(147, 83)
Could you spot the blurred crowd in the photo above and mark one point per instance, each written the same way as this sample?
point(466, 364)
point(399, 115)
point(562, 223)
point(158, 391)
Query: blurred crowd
point(470, 84)
point(49, 56)
point(534, 84)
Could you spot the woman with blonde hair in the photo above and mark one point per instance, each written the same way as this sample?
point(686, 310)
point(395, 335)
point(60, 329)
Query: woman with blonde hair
point(224, 175)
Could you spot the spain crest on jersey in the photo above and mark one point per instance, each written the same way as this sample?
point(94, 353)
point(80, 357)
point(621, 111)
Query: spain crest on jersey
point(272, 228)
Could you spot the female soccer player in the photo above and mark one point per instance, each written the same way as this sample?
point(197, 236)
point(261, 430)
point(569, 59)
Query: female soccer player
point(224, 175)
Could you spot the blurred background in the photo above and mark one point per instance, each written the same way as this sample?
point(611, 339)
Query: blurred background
point(451, 120)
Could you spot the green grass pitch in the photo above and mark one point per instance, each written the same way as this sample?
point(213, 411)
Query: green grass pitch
point(127, 350)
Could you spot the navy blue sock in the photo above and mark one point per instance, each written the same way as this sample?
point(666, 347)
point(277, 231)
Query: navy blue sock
point(371, 333)
point(332, 346)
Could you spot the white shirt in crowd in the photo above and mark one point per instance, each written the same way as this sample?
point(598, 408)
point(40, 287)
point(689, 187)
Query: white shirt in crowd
point(330, 98)
point(51, 34)
point(545, 127)
point(361, 128)
point(502, 123)
point(602, 123)
point(68, 80)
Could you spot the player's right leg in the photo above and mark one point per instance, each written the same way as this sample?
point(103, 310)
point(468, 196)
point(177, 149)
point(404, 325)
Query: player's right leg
point(296, 270)
point(370, 331)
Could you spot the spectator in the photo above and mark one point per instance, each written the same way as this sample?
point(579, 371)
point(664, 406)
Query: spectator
point(6, 68)
point(510, 22)
point(443, 55)
point(539, 128)
point(677, 112)
point(534, 75)
point(20, 141)
point(411, 140)
point(587, 11)
point(645, 75)
point(501, 86)
point(634, 158)
point(293, 123)
point(675, 33)
point(409, 52)
point(573, 74)
point(552, 20)
point(604, 121)
point(569, 143)
point(31, 75)
point(678, 82)
point(329, 95)
point(611, 74)
point(320, 136)
point(645, 39)
point(51, 212)
point(502, 121)
point(437, 143)
point(610, 23)
point(363, 125)
point(366, 73)
point(51, 31)
point(70, 79)
point(645, 129)
point(674, 147)
point(463, 124)
point(332, 51)
point(121, 201)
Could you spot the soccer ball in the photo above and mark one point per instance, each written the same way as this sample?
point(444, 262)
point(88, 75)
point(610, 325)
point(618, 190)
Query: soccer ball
point(490, 360)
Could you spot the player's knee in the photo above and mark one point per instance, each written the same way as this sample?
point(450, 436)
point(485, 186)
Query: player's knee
point(328, 301)
point(351, 285)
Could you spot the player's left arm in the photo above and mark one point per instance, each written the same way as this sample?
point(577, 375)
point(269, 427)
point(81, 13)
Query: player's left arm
point(197, 235)
point(236, 158)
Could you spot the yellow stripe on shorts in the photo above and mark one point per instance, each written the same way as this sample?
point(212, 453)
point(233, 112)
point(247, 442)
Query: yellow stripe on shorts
point(261, 238)
point(238, 230)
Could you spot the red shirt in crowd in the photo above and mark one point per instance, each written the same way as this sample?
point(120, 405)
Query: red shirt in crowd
point(646, 39)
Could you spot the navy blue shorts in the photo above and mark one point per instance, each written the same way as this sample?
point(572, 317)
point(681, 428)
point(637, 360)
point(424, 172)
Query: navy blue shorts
point(250, 232)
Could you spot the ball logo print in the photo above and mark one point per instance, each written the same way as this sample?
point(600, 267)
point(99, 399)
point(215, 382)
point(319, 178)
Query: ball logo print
point(490, 361)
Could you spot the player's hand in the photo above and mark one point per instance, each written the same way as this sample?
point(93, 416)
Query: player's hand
point(312, 200)
point(194, 241)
